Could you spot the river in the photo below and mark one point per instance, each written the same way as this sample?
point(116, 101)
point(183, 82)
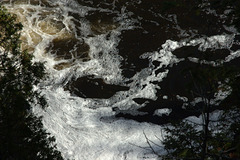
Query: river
point(115, 68)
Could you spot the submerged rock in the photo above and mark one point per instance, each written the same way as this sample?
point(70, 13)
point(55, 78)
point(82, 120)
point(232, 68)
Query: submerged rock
point(30, 41)
point(62, 65)
point(90, 87)
point(102, 22)
point(69, 48)
point(50, 26)
point(33, 2)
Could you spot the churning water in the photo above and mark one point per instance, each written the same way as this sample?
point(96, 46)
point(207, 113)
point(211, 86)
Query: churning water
point(106, 62)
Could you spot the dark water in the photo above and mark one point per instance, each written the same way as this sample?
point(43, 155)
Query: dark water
point(115, 63)
point(156, 22)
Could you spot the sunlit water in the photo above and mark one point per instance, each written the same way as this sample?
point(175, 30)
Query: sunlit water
point(81, 39)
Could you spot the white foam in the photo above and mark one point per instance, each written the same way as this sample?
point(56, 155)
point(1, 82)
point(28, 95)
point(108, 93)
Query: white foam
point(163, 111)
point(79, 131)
point(81, 135)
point(76, 122)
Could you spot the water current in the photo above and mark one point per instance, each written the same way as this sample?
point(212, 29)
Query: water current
point(114, 69)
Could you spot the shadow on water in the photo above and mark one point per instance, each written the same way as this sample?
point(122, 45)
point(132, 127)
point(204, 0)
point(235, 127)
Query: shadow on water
point(156, 22)
point(90, 87)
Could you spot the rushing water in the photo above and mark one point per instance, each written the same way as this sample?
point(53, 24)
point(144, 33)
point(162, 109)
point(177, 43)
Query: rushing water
point(114, 69)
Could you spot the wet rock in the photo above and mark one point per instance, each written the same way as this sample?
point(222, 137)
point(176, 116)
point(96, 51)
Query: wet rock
point(101, 22)
point(90, 87)
point(30, 40)
point(36, 38)
point(50, 26)
point(62, 66)
point(76, 19)
point(99, 27)
point(209, 54)
point(29, 43)
point(98, 4)
point(33, 2)
point(216, 54)
point(69, 48)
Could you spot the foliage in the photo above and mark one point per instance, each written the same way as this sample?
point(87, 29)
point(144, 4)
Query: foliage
point(226, 4)
point(182, 140)
point(229, 138)
point(210, 139)
point(207, 139)
point(21, 133)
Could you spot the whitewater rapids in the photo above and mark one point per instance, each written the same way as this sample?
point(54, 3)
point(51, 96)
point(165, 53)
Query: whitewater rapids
point(62, 34)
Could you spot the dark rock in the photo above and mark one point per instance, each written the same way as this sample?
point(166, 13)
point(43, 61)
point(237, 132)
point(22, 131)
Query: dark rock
point(176, 114)
point(90, 87)
point(140, 100)
point(63, 65)
point(101, 22)
point(64, 49)
point(209, 55)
